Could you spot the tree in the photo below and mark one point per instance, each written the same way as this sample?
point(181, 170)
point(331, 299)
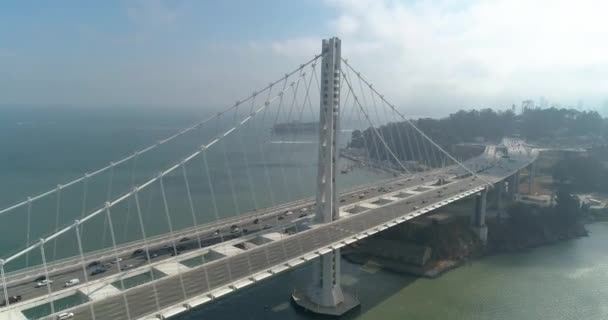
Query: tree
point(567, 205)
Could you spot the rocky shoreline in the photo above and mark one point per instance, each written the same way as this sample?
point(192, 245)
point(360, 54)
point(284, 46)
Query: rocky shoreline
point(432, 245)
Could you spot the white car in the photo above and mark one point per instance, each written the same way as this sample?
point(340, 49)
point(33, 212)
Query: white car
point(65, 315)
point(43, 283)
point(72, 282)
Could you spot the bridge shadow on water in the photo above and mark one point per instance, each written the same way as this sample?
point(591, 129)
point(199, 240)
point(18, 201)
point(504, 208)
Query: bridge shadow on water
point(271, 299)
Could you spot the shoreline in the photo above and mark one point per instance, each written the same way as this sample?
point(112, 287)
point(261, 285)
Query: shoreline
point(454, 245)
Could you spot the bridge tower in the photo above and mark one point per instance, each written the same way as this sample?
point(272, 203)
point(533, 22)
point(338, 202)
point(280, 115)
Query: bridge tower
point(325, 295)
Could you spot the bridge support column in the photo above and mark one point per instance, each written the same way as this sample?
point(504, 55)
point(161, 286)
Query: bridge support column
point(531, 174)
point(478, 220)
point(514, 185)
point(499, 194)
point(500, 206)
point(325, 295)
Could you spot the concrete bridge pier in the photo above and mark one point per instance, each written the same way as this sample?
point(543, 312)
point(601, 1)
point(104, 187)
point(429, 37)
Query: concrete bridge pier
point(531, 174)
point(500, 206)
point(324, 295)
point(513, 185)
point(478, 219)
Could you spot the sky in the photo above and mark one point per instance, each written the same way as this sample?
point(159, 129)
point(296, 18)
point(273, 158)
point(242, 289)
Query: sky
point(429, 58)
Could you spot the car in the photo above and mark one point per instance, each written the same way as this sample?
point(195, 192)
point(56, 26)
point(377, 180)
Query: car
point(280, 217)
point(72, 282)
point(126, 267)
point(361, 196)
point(342, 200)
point(107, 265)
point(117, 260)
point(94, 263)
point(184, 239)
point(41, 278)
point(11, 300)
point(267, 226)
point(256, 221)
point(424, 201)
point(65, 315)
point(175, 253)
point(98, 271)
point(43, 283)
point(302, 215)
point(234, 229)
point(217, 232)
point(415, 207)
point(138, 251)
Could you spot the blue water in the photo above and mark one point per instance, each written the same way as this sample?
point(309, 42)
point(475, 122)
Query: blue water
point(48, 147)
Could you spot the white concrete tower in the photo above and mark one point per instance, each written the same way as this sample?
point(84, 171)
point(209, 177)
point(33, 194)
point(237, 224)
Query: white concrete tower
point(325, 294)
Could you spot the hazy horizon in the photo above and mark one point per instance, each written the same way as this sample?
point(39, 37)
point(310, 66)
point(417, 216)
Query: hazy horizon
point(430, 58)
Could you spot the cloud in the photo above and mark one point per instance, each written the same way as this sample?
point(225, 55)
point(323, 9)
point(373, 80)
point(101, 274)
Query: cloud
point(152, 13)
point(449, 54)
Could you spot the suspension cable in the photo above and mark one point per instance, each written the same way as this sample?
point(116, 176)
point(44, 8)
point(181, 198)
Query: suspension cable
point(116, 258)
point(374, 128)
point(158, 143)
point(83, 263)
point(415, 127)
point(146, 246)
point(154, 179)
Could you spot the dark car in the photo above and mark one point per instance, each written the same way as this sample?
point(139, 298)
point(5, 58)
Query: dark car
point(256, 221)
point(98, 271)
point(41, 278)
point(94, 263)
point(13, 299)
point(138, 251)
point(184, 239)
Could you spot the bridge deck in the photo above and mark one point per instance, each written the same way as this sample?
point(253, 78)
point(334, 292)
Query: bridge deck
point(215, 278)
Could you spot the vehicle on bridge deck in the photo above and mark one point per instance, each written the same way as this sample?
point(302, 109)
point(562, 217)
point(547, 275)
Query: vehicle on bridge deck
point(98, 271)
point(12, 299)
point(72, 282)
point(43, 283)
point(65, 315)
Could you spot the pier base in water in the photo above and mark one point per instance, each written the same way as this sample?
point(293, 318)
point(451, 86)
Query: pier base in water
point(302, 300)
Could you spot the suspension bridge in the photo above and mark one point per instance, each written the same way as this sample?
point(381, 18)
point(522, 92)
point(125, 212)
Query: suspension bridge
point(180, 249)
